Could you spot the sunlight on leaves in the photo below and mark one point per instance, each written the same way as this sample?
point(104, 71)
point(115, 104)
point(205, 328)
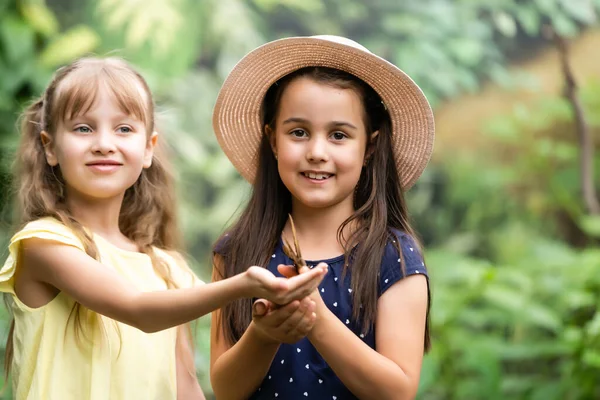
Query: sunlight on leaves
point(73, 43)
point(154, 22)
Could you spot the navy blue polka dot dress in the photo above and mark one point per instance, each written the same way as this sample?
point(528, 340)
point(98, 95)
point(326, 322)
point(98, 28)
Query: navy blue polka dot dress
point(298, 371)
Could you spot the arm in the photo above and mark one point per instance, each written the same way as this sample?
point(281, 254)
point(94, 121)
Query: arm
point(393, 371)
point(188, 387)
point(104, 291)
point(250, 358)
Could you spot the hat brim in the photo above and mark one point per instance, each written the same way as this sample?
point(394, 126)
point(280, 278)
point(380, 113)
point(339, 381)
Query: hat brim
point(237, 112)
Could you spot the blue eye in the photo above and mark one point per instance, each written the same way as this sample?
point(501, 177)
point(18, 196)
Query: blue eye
point(83, 129)
point(125, 129)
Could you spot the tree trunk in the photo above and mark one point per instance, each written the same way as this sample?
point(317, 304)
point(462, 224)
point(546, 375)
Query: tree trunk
point(586, 147)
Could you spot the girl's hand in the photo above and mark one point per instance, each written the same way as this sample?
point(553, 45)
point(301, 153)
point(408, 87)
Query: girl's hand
point(290, 272)
point(263, 284)
point(286, 324)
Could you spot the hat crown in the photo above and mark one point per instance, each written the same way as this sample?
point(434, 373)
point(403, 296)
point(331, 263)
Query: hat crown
point(342, 40)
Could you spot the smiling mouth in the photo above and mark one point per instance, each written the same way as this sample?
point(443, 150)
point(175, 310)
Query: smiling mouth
point(319, 176)
point(104, 164)
point(104, 167)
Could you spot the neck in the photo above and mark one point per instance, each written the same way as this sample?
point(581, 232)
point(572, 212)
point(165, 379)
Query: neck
point(317, 228)
point(101, 216)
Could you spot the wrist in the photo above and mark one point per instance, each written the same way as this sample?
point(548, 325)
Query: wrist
point(262, 338)
point(323, 314)
point(321, 308)
point(244, 285)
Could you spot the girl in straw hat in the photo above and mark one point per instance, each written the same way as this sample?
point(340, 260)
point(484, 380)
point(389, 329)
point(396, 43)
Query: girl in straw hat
point(89, 270)
point(332, 135)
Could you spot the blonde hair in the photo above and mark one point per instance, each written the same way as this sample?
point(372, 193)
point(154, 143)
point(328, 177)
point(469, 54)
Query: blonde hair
point(148, 212)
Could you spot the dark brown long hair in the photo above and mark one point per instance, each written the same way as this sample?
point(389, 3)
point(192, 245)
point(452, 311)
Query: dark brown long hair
point(148, 212)
point(378, 203)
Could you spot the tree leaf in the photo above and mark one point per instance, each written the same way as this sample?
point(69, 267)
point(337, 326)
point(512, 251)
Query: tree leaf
point(590, 224)
point(591, 357)
point(39, 16)
point(309, 6)
point(529, 18)
point(17, 38)
point(73, 43)
point(581, 10)
point(505, 24)
point(563, 25)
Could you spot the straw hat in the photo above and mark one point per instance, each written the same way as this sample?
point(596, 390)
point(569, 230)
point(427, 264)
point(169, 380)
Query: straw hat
point(237, 113)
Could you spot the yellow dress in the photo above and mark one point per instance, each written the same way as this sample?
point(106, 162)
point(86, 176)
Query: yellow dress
point(121, 362)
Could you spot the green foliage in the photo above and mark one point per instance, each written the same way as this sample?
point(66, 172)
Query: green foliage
point(446, 46)
point(515, 307)
point(524, 329)
point(590, 224)
point(546, 165)
point(513, 257)
point(70, 45)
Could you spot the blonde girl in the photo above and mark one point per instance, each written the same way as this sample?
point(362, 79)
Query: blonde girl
point(100, 291)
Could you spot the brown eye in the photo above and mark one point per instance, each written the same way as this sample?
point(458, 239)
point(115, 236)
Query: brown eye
point(338, 136)
point(299, 133)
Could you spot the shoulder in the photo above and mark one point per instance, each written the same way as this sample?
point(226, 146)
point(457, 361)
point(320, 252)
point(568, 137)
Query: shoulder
point(30, 239)
point(407, 247)
point(402, 257)
point(49, 229)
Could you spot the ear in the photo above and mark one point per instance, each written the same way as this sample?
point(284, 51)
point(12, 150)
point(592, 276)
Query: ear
point(149, 152)
point(370, 147)
point(272, 139)
point(51, 158)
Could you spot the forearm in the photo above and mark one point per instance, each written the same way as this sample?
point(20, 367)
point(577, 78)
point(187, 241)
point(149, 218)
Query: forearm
point(366, 373)
point(188, 387)
point(248, 360)
point(155, 311)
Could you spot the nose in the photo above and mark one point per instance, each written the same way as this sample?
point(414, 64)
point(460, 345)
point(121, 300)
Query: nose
point(104, 142)
point(317, 149)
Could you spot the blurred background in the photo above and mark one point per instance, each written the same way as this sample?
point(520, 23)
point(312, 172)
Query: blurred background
point(507, 209)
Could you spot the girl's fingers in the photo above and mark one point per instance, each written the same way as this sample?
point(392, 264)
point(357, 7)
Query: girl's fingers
point(290, 324)
point(322, 265)
point(287, 270)
point(304, 291)
point(313, 276)
point(307, 306)
point(260, 307)
point(283, 291)
point(266, 279)
point(305, 323)
point(279, 315)
point(304, 270)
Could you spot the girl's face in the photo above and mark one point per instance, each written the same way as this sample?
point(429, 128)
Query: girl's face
point(320, 141)
point(102, 152)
